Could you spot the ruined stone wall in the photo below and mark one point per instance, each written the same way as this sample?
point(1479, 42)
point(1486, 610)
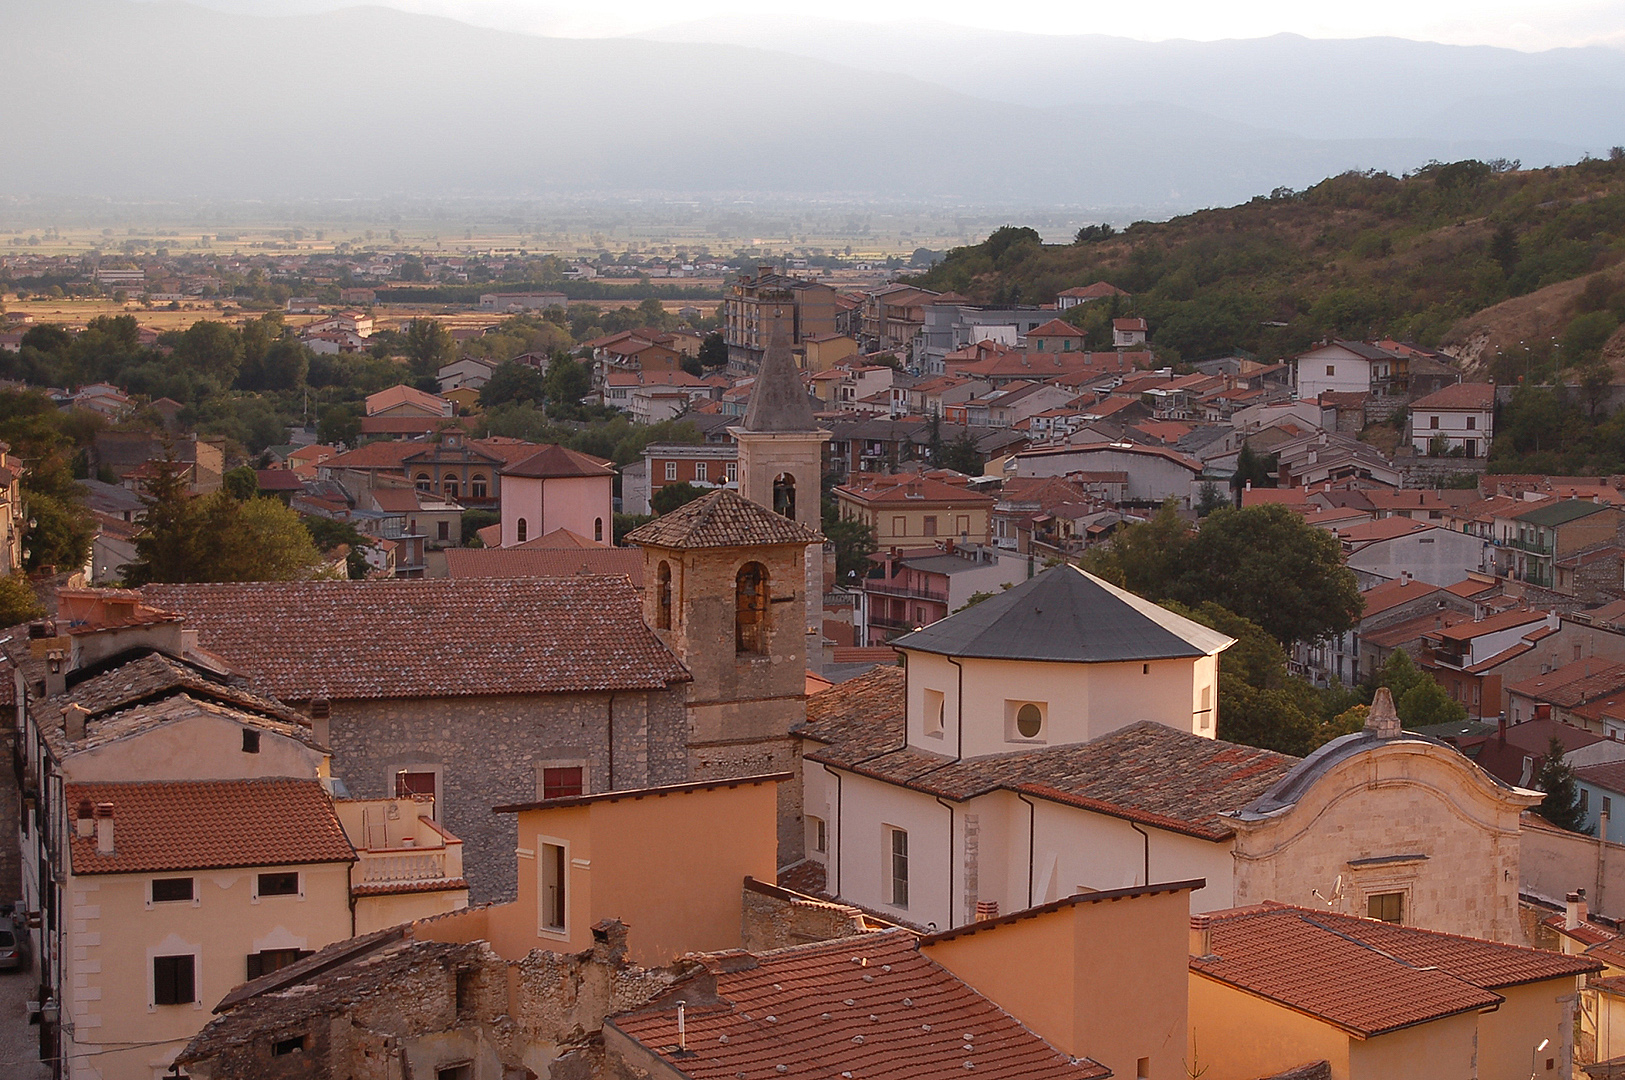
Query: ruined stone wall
point(487, 751)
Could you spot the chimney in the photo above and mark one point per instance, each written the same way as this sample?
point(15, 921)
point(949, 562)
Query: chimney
point(73, 722)
point(987, 909)
point(1501, 730)
point(56, 672)
point(104, 828)
point(1383, 721)
point(1201, 935)
point(85, 826)
point(1574, 909)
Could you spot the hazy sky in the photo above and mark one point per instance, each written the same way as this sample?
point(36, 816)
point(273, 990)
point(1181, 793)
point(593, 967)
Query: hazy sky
point(1519, 24)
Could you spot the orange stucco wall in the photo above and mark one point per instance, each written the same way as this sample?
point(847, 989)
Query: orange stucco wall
point(1104, 980)
point(669, 866)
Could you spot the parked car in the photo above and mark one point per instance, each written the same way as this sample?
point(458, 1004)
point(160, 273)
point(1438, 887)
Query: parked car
point(13, 951)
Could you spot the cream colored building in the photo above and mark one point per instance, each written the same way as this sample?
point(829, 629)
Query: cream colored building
point(1059, 737)
point(914, 510)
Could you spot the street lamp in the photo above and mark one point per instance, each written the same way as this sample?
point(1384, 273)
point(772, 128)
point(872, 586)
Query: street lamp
point(1534, 1054)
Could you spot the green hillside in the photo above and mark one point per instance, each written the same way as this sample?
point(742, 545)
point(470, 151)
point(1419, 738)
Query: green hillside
point(1358, 256)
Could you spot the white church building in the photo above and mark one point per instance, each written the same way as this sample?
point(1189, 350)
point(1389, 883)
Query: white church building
point(1060, 737)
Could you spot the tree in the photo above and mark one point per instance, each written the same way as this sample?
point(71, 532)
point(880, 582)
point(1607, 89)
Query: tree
point(714, 350)
point(215, 537)
point(671, 496)
point(1251, 469)
point(854, 542)
point(428, 345)
point(1504, 248)
point(1426, 703)
point(1268, 564)
point(18, 603)
point(271, 543)
point(213, 350)
point(567, 382)
point(241, 483)
point(961, 455)
point(339, 424)
point(513, 382)
point(328, 534)
point(1209, 498)
point(1561, 806)
point(1145, 558)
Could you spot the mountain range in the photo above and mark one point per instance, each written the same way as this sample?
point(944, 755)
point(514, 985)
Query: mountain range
point(165, 99)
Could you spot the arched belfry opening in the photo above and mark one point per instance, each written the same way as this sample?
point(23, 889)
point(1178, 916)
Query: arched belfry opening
point(750, 608)
point(784, 495)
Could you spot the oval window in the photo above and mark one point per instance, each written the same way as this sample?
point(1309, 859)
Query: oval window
point(1029, 722)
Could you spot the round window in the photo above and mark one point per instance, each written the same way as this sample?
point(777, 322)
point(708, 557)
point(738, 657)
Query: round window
point(1029, 721)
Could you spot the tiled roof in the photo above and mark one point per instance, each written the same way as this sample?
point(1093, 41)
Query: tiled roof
point(401, 394)
point(1099, 290)
point(722, 518)
point(1056, 328)
point(1477, 396)
point(913, 489)
point(1574, 683)
point(433, 638)
point(555, 461)
point(1146, 772)
point(1389, 528)
point(871, 1007)
point(1391, 594)
point(156, 676)
point(209, 824)
point(1364, 976)
point(523, 562)
point(1494, 624)
point(1560, 512)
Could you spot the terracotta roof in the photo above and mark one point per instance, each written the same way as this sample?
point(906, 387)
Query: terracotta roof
point(560, 539)
point(406, 425)
point(1506, 620)
point(722, 518)
point(1098, 291)
point(1364, 976)
point(1056, 328)
point(871, 1007)
point(1476, 396)
point(278, 480)
point(401, 394)
point(552, 462)
point(209, 824)
point(1146, 772)
point(1574, 683)
point(1128, 324)
point(1412, 629)
point(1389, 528)
point(1391, 594)
point(913, 489)
point(431, 638)
point(526, 562)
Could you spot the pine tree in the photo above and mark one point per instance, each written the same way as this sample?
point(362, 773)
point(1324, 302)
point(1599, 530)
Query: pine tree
point(1561, 806)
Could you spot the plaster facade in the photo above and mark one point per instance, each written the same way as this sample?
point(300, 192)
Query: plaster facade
point(582, 504)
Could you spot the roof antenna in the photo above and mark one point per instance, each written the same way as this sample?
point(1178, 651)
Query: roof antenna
point(1329, 901)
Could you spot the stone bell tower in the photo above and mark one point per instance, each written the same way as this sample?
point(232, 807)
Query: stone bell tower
point(723, 587)
point(781, 464)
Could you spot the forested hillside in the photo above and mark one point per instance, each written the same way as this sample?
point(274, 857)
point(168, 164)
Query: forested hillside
point(1358, 255)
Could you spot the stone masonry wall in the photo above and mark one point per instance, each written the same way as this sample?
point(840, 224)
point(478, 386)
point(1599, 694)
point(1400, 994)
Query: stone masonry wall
point(11, 861)
point(488, 751)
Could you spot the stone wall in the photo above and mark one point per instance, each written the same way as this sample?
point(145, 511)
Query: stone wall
point(488, 752)
point(776, 918)
point(11, 859)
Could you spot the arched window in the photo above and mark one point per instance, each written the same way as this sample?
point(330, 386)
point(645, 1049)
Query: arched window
point(663, 596)
point(477, 487)
point(784, 495)
point(450, 486)
point(750, 608)
point(524, 532)
point(424, 483)
point(598, 530)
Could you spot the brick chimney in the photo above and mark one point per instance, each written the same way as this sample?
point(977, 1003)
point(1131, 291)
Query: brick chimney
point(85, 825)
point(104, 828)
point(1383, 721)
point(1574, 909)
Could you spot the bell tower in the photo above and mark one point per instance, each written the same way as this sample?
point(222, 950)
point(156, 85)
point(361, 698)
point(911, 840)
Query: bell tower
point(781, 464)
point(723, 587)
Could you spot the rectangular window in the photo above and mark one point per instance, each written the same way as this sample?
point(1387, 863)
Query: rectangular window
point(1388, 906)
point(251, 741)
point(1433, 421)
point(293, 1044)
point(671, 470)
point(1607, 807)
point(932, 714)
point(445, 530)
point(930, 525)
point(1585, 799)
point(285, 883)
point(408, 784)
point(962, 524)
point(1331, 369)
point(820, 835)
point(899, 526)
point(1472, 423)
point(455, 1072)
point(174, 980)
point(553, 882)
point(563, 782)
point(898, 849)
point(166, 890)
point(699, 471)
point(268, 960)
point(733, 472)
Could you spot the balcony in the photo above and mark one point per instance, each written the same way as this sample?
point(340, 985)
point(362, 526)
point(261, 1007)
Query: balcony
point(400, 848)
point(1534, 547)
point(912, 592)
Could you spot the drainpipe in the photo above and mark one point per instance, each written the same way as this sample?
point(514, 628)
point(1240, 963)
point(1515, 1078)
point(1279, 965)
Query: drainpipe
point(1147, 838)
point(610, 785)
point(959, 713)
point(950, 807)
point(839, 849)
point(1032, 821)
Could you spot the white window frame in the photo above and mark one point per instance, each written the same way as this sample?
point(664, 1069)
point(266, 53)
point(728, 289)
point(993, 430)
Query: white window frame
point(254, 884)
point(174, 946)
point(671, 470)
point(933, 711)
point(555, 933)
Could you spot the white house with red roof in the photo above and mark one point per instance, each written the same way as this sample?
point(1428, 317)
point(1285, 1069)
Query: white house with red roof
point(1459, 418)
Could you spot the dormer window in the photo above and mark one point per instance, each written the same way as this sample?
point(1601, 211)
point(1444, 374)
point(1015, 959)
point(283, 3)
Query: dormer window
point(935, 707)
